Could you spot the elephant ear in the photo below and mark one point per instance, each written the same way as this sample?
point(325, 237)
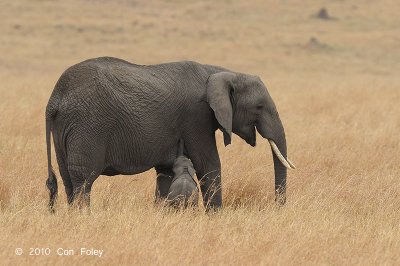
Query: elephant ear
point(219, 87)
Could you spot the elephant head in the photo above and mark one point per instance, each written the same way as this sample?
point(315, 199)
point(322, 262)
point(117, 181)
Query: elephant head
point(242, 105)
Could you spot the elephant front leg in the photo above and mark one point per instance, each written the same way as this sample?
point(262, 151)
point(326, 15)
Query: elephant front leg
point(210, 184)
point(203, 152)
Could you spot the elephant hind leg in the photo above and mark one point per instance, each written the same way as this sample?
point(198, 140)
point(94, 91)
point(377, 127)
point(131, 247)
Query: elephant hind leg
point(53, 187)
point(67, 182)
point(164, 180)
point(83, 170)
point(85, 163)
point(82, 195)
point(82, 180)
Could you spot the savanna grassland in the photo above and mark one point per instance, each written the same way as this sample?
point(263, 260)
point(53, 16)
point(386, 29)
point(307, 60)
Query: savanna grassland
point(335, 82)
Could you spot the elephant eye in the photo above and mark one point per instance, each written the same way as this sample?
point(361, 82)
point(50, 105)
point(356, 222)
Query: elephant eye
point(259, 107)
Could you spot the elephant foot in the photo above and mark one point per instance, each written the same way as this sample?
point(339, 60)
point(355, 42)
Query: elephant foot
point(280, 198)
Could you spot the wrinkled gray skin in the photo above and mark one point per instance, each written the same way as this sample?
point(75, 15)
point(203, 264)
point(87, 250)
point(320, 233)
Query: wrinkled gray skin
point(183, 191)
point(111, 117)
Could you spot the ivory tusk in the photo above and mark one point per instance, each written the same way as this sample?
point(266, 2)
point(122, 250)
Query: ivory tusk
point(287, 164)
point(291, 164)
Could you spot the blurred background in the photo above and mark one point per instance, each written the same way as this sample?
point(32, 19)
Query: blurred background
point(268, 37)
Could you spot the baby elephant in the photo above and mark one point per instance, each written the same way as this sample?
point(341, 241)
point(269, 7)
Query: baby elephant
point(183, 191)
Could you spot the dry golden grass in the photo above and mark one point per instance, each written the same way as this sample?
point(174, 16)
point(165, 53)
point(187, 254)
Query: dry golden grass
point(338, 98)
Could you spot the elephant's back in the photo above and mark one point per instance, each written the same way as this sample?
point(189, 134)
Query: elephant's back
point(85, 97)
point(94, 73)
point(128, 103)
point(103, 81)
point(116, 90)
point(121, 77)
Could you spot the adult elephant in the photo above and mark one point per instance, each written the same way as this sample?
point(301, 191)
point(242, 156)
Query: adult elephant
point(111, 117)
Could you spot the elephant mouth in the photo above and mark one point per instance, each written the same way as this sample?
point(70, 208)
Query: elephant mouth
point(286, 162)
point(252, 139)
point(248, 134)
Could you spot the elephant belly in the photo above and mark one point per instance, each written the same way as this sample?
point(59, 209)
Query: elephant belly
point(133, 161)
point(121, 170)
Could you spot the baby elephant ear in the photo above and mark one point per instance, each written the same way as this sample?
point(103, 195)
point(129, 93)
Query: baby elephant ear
point(219, 87)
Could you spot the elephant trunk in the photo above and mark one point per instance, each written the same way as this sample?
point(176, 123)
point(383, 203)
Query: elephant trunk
point(280, 176)
point(275, 133)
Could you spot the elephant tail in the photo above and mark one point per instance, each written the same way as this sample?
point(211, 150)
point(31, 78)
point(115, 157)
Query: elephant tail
point(51, 182)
